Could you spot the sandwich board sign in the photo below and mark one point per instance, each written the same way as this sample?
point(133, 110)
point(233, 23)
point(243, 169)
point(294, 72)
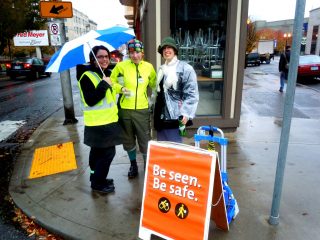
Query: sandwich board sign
point(178, 192)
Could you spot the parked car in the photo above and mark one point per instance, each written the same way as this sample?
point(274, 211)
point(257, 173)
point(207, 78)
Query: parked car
point(309, 67)
point(30, 67)
point(116, 56)
point(253, 59)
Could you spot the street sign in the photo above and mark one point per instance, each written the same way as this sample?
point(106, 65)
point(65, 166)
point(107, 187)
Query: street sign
point(54, 28)
point(56, 9)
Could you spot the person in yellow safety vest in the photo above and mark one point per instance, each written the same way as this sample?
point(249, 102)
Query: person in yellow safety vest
point(100, 111)
point(131, 78)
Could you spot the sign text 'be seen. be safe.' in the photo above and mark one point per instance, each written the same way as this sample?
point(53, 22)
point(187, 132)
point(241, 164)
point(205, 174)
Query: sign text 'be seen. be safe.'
point(161, 173)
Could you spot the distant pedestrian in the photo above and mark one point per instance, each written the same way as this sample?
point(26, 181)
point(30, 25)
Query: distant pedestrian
point(284, 67)
point(131, 78)
point(177, 94)
point(101, 131)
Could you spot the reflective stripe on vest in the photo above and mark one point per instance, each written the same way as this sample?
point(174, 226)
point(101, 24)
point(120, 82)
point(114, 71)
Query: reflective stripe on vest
point(100, 105)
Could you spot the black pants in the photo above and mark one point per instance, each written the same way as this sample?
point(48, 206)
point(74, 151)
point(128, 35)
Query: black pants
point(99, 161)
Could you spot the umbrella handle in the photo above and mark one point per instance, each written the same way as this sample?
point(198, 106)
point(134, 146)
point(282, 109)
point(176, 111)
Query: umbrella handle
point(96, 59)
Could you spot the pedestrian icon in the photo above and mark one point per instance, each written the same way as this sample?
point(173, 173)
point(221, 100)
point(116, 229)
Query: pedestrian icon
point(181, 211)
point(164, 205)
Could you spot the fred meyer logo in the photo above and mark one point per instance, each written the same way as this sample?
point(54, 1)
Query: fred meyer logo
point(31, 34)
point(31, 38)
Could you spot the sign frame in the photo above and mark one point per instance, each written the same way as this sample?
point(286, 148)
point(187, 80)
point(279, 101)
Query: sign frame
point(167, 172)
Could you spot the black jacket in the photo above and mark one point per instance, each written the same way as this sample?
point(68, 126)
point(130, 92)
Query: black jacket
point(284, 59)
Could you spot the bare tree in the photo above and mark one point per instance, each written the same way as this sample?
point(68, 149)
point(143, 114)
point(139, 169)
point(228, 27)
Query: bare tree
point(252, 37)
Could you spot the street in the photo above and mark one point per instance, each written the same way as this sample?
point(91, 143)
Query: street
point(261, 95)
point(24, 105)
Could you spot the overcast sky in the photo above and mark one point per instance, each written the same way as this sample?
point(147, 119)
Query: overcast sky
point(273, 10)
point(107, 13)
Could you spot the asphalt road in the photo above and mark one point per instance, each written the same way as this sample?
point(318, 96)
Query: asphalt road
point(261, 96)
point(24, 105)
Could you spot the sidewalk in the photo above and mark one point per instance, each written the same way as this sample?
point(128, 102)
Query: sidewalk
point(64, 204)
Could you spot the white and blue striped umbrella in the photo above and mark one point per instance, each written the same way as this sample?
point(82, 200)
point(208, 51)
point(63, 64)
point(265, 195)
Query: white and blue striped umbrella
point(77, 50)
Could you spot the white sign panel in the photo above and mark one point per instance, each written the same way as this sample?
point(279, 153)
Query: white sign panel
point(31, 39)
point(54, 28)
point(55, 40)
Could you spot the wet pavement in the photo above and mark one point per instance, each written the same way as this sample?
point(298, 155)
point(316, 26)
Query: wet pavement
point(64, 203)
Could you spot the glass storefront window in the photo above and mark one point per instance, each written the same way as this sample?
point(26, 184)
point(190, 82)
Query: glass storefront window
point(199, 28)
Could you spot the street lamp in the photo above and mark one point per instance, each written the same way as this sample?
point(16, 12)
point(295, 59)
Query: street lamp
point(286, 36)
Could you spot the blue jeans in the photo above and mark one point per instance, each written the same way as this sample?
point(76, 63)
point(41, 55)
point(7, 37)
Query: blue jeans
point(283, 77)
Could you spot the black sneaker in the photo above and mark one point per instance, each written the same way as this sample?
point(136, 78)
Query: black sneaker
point(103, 189)
point(280, 90)
point(109, 181)
point(133, 171)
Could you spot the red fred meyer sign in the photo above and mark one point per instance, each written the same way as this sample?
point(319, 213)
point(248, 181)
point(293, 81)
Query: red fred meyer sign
point(177, 192)
point(31, 39)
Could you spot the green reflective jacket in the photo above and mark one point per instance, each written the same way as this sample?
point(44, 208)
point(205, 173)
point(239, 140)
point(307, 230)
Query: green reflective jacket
point(136, 78)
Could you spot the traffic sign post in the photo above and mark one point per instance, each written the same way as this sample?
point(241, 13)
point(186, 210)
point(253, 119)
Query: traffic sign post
point(58, 38)
point(59, 9)
point(56, 9)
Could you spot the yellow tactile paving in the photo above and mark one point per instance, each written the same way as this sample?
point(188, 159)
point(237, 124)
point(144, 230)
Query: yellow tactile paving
point(53, 159)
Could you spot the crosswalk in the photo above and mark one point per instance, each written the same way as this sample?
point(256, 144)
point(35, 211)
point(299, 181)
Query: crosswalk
point(8, 127)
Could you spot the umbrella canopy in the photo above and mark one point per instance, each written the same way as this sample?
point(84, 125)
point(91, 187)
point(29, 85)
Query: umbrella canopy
point(77, 50)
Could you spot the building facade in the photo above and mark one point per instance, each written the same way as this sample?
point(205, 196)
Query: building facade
point(310, 42)
point(313, 39)
point(211, 36)
point(283, 32)
point(78, 25)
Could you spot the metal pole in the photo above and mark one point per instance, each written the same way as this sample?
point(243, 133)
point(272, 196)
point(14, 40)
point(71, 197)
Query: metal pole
point(66, 87)
point(288, 109)
point(286, 42)
point(38, 52)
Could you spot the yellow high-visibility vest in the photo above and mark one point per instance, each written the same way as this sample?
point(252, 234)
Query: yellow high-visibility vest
point(105, 111)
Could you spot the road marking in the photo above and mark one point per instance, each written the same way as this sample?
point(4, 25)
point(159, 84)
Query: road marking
point(9, 127)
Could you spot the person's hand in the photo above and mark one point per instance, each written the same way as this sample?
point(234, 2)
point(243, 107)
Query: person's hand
point(125, 91)
point(184, 120)
point(107, 79)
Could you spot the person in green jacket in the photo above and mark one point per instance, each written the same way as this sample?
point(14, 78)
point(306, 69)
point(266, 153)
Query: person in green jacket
point(131, 79)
